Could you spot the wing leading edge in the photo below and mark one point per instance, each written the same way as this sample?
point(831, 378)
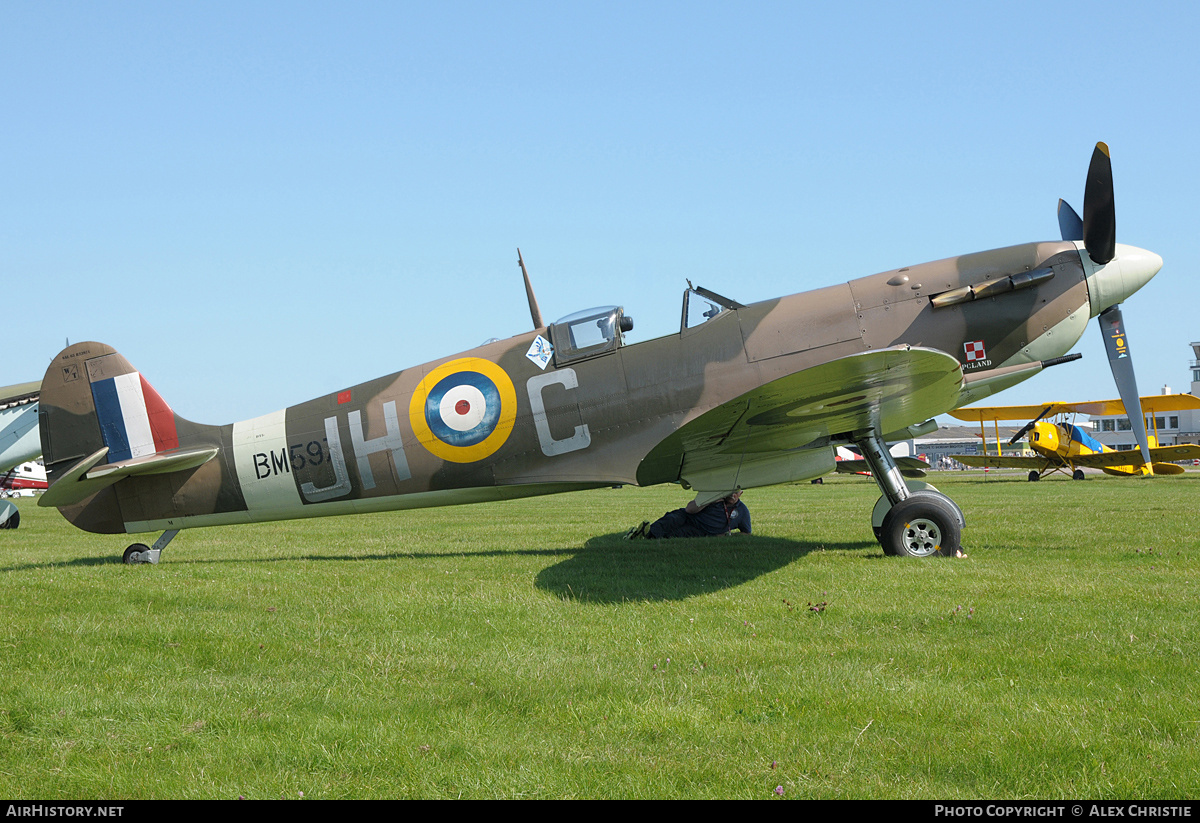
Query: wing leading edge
point(782, 430)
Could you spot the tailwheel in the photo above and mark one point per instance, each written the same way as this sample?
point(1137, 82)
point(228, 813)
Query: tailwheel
point(137, 553)
point(923, 525)
point(141, 553)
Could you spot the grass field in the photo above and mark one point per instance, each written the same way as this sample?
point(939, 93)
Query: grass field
point(522, 649)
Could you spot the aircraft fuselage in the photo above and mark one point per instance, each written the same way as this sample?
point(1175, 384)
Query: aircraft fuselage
point(492, 422)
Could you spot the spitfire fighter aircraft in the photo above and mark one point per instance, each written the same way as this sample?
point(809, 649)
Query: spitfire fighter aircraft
point(19, 441)
point(741, 395)
point(1063, 446)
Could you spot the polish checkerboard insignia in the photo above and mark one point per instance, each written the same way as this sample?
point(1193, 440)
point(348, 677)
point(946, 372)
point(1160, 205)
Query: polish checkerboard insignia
point(974, 350)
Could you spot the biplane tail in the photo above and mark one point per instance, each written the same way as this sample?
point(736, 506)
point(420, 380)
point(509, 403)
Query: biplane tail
point(101, 423)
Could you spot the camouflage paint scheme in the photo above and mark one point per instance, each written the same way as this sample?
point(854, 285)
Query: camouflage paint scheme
point(743, 396)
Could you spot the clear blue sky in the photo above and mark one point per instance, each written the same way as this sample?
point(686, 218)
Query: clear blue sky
point(258, 203)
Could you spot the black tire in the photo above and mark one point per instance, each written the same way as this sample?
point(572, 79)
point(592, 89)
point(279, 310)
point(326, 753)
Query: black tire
point(12, 522)
point(1034, 476)
point(929, 492)
point(1077, 474)
point(127, 558)
point(924, 525)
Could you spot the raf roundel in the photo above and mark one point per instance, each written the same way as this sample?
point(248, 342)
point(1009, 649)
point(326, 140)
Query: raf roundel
point(464, 410)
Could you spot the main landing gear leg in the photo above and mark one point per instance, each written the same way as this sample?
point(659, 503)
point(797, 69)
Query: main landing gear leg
point(919, 522)
point(141, 553)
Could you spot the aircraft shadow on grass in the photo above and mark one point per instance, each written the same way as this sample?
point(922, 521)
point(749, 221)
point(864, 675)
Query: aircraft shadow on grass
point(611, 570)
point(607, 569)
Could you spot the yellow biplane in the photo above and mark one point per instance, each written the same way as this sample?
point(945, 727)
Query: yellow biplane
point(1063, 446)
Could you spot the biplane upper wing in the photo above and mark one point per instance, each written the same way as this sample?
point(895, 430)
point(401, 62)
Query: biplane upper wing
point(1150, 405)
point(1096, 408)
point(783, 429)
point(988, 414)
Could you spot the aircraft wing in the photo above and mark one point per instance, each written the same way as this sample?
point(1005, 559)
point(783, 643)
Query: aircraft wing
point(1133, 457)
point(758, 438)
point(1004, 461)
point(19, 392)
point(19, 440)
point(987, 414)
point(1150, 405)
point(1097, 408)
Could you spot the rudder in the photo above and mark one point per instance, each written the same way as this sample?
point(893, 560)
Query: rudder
point(102, 423)
point(92, 397)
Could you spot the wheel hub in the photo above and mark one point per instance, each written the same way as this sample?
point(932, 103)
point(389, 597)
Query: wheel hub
point(922, 537)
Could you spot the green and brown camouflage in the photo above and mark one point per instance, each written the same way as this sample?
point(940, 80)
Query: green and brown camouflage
point(740, 396)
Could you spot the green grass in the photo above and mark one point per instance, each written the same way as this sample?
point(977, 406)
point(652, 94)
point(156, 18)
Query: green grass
point(522, 649)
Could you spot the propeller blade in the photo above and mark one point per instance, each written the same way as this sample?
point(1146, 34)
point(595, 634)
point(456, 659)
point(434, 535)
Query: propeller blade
point(1116, 343)
point(1021, 433)
point(1069, 223)
point(1099, 215)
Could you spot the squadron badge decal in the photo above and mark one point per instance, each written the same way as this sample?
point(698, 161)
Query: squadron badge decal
point(463, 410)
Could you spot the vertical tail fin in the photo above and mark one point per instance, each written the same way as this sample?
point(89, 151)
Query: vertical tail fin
point(101, 423)
point(93, 398)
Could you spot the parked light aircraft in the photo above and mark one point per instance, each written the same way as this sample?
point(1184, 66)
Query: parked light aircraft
point(1063, 446)
point(24, 479)
point(851, 462)
point(742, 395)
point(19, 441)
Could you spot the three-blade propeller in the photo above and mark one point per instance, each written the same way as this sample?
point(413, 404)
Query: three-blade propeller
point(1098, 231)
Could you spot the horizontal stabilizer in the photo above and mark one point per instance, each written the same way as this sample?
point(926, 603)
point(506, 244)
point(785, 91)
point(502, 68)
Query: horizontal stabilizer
point(85, 478)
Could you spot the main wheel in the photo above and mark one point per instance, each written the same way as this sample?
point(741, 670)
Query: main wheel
point(12, 522)
point(129, 553)
point(1077, 474)
point(1034, 476)
point(915, 487)
point(923, 525)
